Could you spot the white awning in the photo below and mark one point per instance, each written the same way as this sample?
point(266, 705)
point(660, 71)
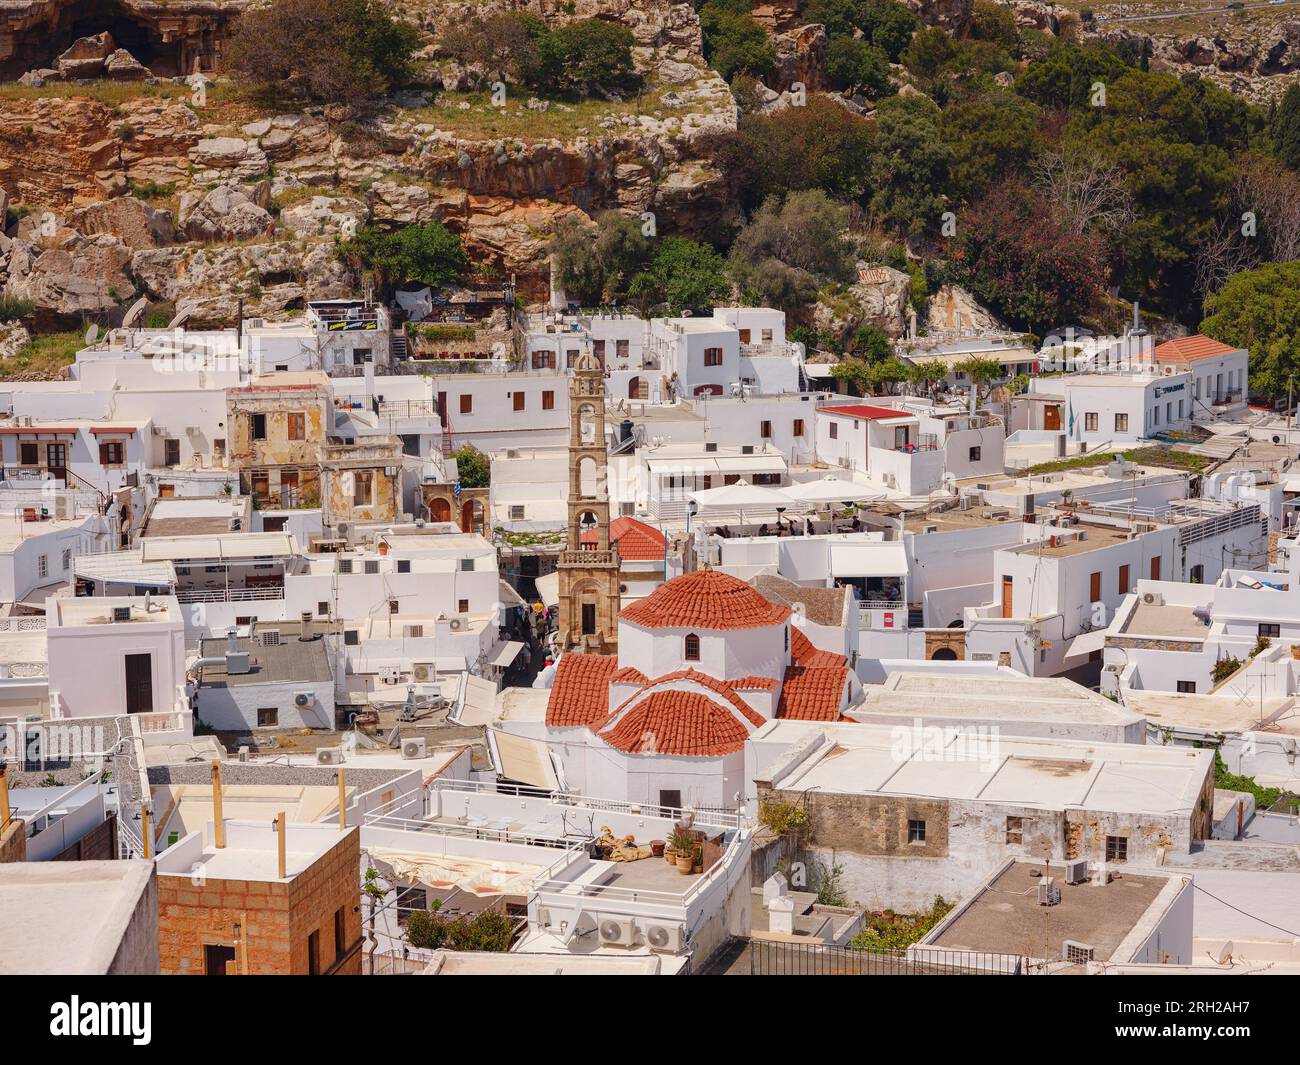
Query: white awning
point(479, 705)
point(508, 652)
point(868, 559)
point(548, 588)
point(234, 546)
point(1085, 644)
point(524, 760)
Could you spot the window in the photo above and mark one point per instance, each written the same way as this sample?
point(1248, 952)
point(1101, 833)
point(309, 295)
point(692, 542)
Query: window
point(670, 800)
point(770, 479)
point(744, 336)
point(467, 404)
point(765, 430)
point(915, 831)
point(691, 648)
point(111, 453)
point(372, 565)
point(1117, 848)
point(467, 565)
point(462, 606)
point(323, 608)
point(67, 558)
point(1121, 423)
point(797, 428)
point(1187, 687)
point(313, 953)
point(297, 426)
point(1015, 830)
point(1155, 415)
point(351, 637)
point(216, 957)
point(43, 567)
point(975, 453)
point(520, 400)
point(29, 454)
point(345, 565)
point(1090, 422)
point(1268, 629)
point(543, 360)
point(340, 931)
point(259, 427)
point(835, 431)
point(363, 488)
point(267, 716)
point(621, 348)
point(403, 565)
point(516, 512)
point(766, 335)
point(413, 632)
point(712, 356)
point(548, 400)
point(598, 348)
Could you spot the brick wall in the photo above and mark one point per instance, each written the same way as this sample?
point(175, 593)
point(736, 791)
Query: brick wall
point(873, 825)
point(280, 916)
point(97, 845)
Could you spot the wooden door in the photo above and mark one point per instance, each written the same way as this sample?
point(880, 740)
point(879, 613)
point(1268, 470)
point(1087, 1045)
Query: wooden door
point(1123, 580)
point(1006, 596)
point(1155, 568)
point(1094, 588)
point(1052, 417)
point(139, 684)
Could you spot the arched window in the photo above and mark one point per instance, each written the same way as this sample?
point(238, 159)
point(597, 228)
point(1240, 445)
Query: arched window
point(691, 651)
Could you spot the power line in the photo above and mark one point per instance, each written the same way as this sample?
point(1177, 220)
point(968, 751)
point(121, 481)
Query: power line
point(1252, 916)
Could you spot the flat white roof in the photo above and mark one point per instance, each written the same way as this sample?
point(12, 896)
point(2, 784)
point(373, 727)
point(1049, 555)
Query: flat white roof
point(861, 759)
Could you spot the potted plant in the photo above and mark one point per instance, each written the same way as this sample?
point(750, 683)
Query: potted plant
point(684, 847)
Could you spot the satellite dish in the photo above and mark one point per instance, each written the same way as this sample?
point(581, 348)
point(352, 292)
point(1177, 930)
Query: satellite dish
point(92, 333)
point(1225, 953)
point(137, 308)
point(181, 318)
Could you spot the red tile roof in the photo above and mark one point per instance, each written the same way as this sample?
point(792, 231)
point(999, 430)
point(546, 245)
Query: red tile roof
point(718, 687)
point(706, 599)
point(750, 684)
point(678, 722)
point(863, 410)
point(1189, 349)
point(637, 541)
point(580, 694)
point(805, 654)
point(628, 675)
point(812, 693)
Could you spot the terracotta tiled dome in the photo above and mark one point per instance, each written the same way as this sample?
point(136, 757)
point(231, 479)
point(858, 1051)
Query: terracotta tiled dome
point(705, 600)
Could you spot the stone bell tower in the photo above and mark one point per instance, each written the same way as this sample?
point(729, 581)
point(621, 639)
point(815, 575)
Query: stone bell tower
point(589, 592)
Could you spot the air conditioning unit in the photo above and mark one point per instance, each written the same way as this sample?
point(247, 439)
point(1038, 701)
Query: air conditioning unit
point(304, 698)
point(269, 637)
point(617, 931)
point(414, 748)
point(424, 672)
point(1074, 951)
point(1048, 893)
point(1076, 871)
point(159, 430)
point(243, 753)
point(1153, 599)
point(390, 675)
point(665, 937)
point(457, 624)
point(64, 507)
point(329, 756)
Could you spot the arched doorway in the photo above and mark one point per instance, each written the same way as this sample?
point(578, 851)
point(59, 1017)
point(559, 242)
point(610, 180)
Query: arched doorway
point(634, 388)
point(439, 509)
point(944, 654)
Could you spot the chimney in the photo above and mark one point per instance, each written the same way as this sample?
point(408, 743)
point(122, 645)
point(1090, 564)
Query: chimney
point(305, 618)
point(218, 818)
point(370, 377)
point(232, 641)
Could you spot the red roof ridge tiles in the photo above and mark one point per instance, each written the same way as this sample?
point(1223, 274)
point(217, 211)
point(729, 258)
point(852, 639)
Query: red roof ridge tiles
point(705, 599)
point(580, 693)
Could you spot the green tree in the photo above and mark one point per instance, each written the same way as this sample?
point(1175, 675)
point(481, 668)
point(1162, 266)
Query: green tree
point(791, 248)
point(911, 163)
point(924, 376)
point(981, 373)
point(1286, 127)
point(1259, 310)
point(335, 51)
point(684, 274)
point(735, 43)
point(429, 254)
point(590, 52)
point(473, 468)
point(1066, 76)
point(930, 51)
point(993, 22)
point(855, 64)
point(888, 25)
point(819, 146)
point(989, 138)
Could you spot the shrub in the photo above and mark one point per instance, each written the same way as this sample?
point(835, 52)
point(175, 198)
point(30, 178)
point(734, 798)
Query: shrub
point(14, 307)
point(854, 64)
point(430, 254)
point(335, 51)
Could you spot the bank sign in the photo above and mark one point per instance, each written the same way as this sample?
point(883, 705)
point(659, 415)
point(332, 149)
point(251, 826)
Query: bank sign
point(1165, 390)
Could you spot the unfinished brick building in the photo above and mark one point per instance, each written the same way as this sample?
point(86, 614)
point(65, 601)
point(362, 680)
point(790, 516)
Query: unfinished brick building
point(239, 905)
point(277, 427)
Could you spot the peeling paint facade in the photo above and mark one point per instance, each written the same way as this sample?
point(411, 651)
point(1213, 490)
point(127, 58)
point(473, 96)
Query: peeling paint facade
point(276, 430)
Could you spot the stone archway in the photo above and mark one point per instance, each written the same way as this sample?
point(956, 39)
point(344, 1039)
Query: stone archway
point(439, 509)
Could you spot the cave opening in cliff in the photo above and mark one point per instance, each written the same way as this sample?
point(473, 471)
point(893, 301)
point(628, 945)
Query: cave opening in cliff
point(42, 45)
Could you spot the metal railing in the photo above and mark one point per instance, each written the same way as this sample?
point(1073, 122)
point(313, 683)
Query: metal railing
point(922, 442)
point(768, 958)
point(232, 595)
